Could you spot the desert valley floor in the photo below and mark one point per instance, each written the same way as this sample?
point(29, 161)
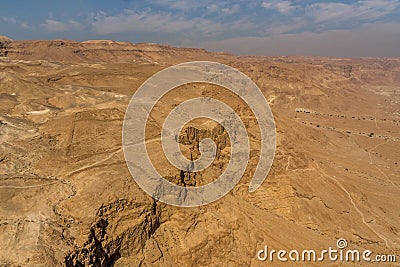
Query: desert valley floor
point(67, 197)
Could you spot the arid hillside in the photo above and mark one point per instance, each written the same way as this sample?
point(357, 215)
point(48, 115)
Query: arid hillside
point(67, 197)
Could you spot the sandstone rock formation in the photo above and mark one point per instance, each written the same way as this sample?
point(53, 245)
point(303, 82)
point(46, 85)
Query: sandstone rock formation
point(5, 39)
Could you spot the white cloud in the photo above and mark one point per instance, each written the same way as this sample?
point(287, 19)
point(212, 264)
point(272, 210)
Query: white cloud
point(14, 21)
point(8, 19)
point(329, 11)
point(24, 26)
point(147, 22)
point(284, 7)
point(323, 16)
point(182, 5)
point(231, 9)
point(212, 8)
point(130, 21)
point(60, 26)
point(360, 10)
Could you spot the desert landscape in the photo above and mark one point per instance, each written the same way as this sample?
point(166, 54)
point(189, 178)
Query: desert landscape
point(67, 197)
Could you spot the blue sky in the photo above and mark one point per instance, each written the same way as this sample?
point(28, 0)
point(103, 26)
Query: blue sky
point(292, 27)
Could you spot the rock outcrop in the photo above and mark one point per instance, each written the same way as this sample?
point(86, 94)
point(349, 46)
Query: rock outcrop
point(4, 39)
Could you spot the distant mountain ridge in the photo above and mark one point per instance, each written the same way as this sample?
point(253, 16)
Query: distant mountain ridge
point(101, 51)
